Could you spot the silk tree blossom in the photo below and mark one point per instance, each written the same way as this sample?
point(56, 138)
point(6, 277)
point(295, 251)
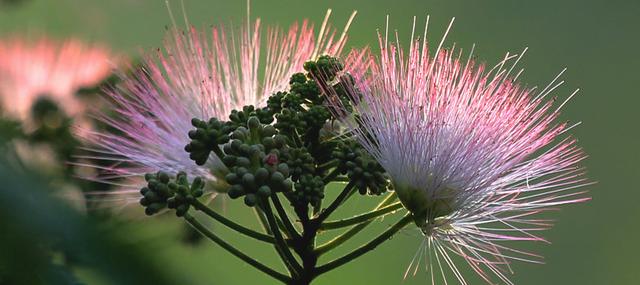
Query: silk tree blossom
point(471, 153)
point(30, 69)
point(200, 74)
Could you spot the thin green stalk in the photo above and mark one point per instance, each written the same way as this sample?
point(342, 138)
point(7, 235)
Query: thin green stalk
point(317, 209)
point(337, 241)
point(288, 257)
point(263, 221)
point(289, 228)
point(328, 165)
point(296, 138)
point(337, 202)
point(265, 226)
point(219, 153)
point(231, 224)
point(332, 175)
point(341, 179)
point(239, 254)
point(331, 225)
point(367, 247)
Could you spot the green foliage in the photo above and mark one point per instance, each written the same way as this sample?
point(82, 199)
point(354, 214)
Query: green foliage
point(53, 127)
point(36, 227)
point(11, 129)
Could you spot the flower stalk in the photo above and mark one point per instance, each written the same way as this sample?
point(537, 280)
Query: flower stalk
point(238, 253)
point(338, 224)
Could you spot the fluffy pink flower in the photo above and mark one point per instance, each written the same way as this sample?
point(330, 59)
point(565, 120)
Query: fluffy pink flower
point(45, 67)
point(471, 153)
point(200, 74)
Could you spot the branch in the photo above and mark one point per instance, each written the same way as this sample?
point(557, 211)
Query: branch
point(353, 231)
point(367, 247)
point(332, 175)
point(231, 224)
point(290, 229)
point(331, 225)
point(213, 237)
point(337, 202)
point(287, 256)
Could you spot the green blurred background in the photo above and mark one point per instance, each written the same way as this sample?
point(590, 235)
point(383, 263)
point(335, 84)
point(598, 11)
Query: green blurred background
point(592, 243)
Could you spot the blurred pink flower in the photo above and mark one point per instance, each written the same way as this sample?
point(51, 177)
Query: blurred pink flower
point(471, 153)
point(29, 69)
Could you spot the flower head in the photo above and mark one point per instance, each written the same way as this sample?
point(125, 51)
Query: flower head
point(202, 75)
point(472, 154)
point(29, 69)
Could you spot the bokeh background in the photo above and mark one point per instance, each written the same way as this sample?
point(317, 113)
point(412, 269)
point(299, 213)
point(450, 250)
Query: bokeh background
point(592, 243)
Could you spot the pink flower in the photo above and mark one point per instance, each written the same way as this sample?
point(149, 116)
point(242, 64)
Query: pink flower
point(45, 67)
point(200, 74)
point(470, 152)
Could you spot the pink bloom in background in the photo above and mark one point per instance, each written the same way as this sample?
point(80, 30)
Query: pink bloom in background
point(471, 153)
point(29, 69)
point(200, 74)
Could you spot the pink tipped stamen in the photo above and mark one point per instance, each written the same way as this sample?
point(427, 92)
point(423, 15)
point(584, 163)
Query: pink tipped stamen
point(436, 121)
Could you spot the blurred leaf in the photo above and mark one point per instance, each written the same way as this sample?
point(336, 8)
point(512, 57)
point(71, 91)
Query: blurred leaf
point(33, 223)
point(10, 128)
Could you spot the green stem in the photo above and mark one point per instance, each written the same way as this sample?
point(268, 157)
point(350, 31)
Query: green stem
point(327, 165)
point(317, 209)
point(296, 138)
point(341, 179)
point(367, 247)
point(234, 226)
point(337, 241)
point(332, 175)
point(288, 257)
point(331, 225)
point(213, 237)
point(263, 221)
point(266, 227)
point(216, 149)
point(337, 202)
point(290, 229)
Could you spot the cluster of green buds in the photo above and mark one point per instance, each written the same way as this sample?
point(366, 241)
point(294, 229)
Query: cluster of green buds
point(208, 135)
point(280, 148)
point(309, 190)
point(300, 162)
point(361, 169)
point(164, 191)
point(252, 156)
point(302, 110)
point(206, 138)
point(241, 117)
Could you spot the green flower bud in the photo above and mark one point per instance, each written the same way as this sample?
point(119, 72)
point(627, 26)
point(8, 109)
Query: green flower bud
point(261, 174)
point(250, 200)
point(264, 191)
point(253, 123)
point(236, 191)
point(277, 177)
